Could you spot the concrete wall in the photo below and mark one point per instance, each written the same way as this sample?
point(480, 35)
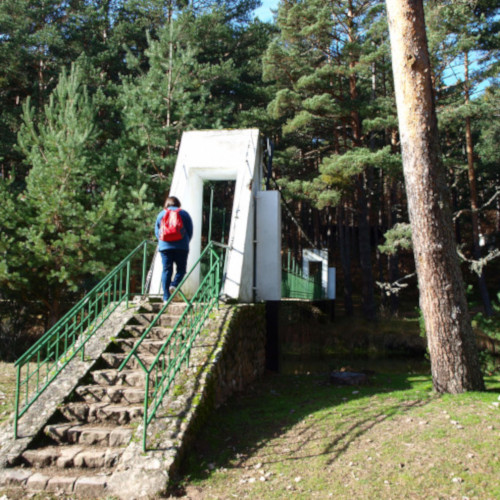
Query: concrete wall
point(220, 155)
point(231, 155)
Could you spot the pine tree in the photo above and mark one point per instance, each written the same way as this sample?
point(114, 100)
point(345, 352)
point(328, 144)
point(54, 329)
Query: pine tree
point(325, 67)
point(30, 38)
point(454, 359)
point(198, 77)
point(460, 35)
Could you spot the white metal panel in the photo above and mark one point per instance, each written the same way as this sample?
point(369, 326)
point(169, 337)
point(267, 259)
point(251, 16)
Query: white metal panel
point(316, 255)
point(268, 246)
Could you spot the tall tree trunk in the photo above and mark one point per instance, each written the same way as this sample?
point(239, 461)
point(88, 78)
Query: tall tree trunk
point(476, 252)
point(365, 257)
point(452, 345)
point(454, 206)
point(345, 259)
point(393, 263)
point(170, 21)
point(367, 291)
point(53, 305)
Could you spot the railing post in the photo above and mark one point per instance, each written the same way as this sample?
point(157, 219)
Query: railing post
point(211, 212)
point(144, 257)
point(217, 282)
point(127, 283)
point(146, 403)
point(121, 284)
point(16, 410)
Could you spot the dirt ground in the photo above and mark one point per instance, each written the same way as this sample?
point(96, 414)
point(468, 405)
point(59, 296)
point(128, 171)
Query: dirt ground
point(359, 443)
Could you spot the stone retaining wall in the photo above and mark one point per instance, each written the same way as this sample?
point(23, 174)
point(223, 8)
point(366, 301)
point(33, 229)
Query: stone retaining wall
point(228, 356)
point(242, 359)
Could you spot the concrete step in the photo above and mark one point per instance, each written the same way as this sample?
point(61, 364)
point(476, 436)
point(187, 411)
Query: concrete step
point(80, 482)
point(65, 457)
point(131, 378)
point(115, 359)
point(102, 412)
point(89, 435)
point(156, 333)
point(151, 307)
point(163, 320)
point(147, 346)
point(111, 394)
point(175, 307)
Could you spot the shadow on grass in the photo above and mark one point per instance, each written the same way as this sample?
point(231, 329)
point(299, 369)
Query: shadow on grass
point(295, 417)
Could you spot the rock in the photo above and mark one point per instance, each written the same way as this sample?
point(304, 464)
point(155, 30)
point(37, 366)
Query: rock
point(16, 477)
point(92, 487)
point(120, 437)
point(44, 457)
point(67, 456)
point(61, 483)
point(37, 481)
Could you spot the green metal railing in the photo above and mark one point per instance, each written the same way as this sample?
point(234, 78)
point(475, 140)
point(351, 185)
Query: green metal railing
point(177, 347)
point(42, 363)
point(295, 285)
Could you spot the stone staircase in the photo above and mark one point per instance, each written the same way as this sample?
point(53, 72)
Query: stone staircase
point(84, 440)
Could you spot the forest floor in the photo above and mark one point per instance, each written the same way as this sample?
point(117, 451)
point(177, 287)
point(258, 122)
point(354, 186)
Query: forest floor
point(300, 437)
point(7, 390)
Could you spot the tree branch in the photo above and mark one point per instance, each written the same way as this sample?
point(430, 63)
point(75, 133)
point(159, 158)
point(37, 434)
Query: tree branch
point(468, 210)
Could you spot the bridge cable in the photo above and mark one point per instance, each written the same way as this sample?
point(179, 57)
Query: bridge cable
point(270, 176)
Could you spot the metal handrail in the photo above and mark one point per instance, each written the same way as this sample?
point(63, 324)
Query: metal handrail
point(177, 347)
point(40, 365)
point(295, 285)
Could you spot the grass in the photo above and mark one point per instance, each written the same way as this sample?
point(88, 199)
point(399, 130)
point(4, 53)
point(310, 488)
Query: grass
point(7, 390)
point(300, 437)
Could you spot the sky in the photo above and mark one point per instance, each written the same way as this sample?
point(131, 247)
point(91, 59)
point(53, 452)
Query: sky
point(264, 13)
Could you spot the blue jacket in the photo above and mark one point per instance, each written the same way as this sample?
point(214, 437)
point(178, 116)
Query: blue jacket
point(188, 232)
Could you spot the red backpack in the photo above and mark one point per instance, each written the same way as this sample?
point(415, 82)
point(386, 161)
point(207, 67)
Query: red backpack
point(171, 226)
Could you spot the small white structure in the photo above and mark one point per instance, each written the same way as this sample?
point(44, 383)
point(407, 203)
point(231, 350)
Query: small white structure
point(212, 155)
point(268, 246)
point(327, 274)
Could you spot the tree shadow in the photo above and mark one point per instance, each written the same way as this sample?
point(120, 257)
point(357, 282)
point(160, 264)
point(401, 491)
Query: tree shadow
point(258, 419)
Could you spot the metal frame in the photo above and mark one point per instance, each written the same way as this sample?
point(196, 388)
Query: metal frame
point(40, 365)
point(176, 349)
point(295, 285)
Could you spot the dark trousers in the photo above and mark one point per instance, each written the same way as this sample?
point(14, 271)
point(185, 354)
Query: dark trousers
point(169, 258)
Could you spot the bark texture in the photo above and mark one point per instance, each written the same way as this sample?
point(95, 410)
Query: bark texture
point(452, 346)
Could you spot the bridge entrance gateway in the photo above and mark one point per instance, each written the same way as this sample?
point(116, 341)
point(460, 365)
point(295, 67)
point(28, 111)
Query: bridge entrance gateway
point(253, 260)
point(320, 257)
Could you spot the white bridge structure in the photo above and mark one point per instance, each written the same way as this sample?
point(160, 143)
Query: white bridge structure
point(253, 262)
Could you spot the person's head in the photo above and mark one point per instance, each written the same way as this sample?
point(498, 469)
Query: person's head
point(172, 201)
